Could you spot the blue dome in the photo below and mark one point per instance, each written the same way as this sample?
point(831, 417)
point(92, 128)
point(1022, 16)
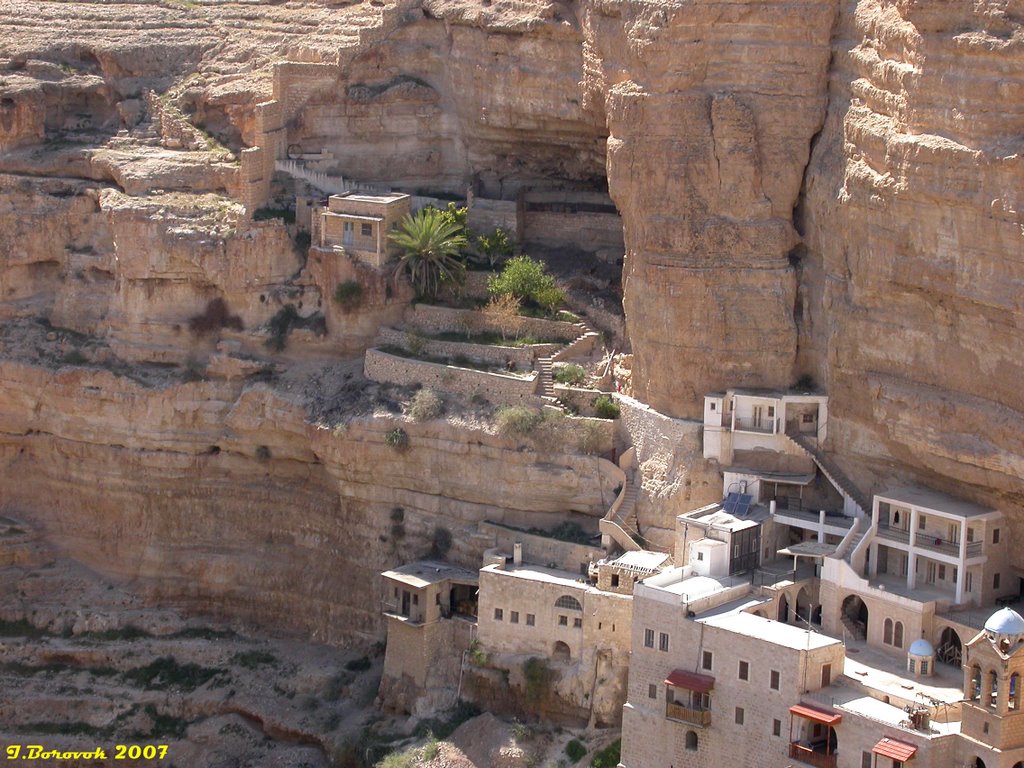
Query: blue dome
point(1005, 621)
point(921, 648)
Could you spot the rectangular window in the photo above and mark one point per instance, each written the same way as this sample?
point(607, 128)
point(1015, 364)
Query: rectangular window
point(970, 535)
point(530, 619)
point(577, 623)
point(713, 406)
point(744, 671)
point(366, 230)
point(662, 641)
point(514, 617)
point(774, 680)
point(865, 760)
point(615, 580)
point(995, 535)
point(739, 715)
point(826, 675)
point(648, 638)
point(700, 556)
point(969, 580)
point(705, 660)
point(942, 573)
point(921, 522)
point(995, 581)
point(652, 691)
point(499, 614)
point(776, 727)
point(563, 621)
point(415, 599)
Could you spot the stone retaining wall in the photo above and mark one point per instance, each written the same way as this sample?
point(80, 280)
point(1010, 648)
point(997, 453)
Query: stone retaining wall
point(430, 319)
point(496, 387)
point(543, 550)
point(523, 357)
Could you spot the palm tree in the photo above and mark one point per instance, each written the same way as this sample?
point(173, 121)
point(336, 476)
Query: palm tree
point(431, 245)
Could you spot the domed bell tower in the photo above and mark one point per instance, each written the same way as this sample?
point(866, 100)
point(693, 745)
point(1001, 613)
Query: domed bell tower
point(993, 673)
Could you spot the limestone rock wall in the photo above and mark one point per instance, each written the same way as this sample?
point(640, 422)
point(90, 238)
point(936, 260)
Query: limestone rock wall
point(910, 308)
point(221, 498)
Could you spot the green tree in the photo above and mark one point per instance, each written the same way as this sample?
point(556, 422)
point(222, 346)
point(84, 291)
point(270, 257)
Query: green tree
point(495, 247)
point(431, 244)
point(527, 280)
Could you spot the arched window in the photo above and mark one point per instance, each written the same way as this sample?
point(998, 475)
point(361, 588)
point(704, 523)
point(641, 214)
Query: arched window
point(897, 634)
point(975, 693)
point(993, 681)
point(691, 741)
point(1015, 691)
point(561, 652)
point(887, 632)
point(568, 601)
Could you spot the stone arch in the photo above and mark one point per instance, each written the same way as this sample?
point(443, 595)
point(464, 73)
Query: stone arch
point(887, 631)
point(897, 634)
point(1014, 691)
point(993, 687)
point(950, 649)
point(803, 604)
point(691, 741)
point(979, 763)
point(855, 616)
point(974, 684)
point(783, 608)
point(561, 652)
point(568, 601)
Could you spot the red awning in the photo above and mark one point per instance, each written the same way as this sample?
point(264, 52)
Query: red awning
point(817, 715)
point(680, 678)
point(895, 750)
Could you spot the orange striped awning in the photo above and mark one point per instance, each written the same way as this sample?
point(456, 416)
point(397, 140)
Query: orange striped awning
point(895, 750)
point(817, 715)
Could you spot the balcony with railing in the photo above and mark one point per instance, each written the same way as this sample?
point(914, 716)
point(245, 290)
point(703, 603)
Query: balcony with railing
point(809, 755)
point(762, 426)
point(684, 714)
point(930, 541)
point(893, 534)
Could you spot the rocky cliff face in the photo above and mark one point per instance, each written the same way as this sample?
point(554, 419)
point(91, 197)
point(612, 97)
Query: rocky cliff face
point(815, 187)
point(910, 307)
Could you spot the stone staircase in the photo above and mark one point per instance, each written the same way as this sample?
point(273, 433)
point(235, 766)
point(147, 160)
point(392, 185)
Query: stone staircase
point(831, 470)
point(856, 629)
point(614, 525)
point(583, 344)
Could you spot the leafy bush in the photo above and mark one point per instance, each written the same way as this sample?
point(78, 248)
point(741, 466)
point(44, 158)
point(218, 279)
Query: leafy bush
point(606, 408)
point(608, 757)
point(166, 672)
point(539, 677)
point(214, 317)
point(397, 438)
point(75, 357)
point(426, 405)
point(348, 295)
point(575, 750)
point(517, 420)
point(431, 748)
point(527, 280)
point(571, 374)
point(280, 326)
point(495, 247)
point(267, 213)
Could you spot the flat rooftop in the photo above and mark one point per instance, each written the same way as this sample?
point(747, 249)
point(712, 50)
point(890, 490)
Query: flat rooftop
point(934, 500)
point(541, 573)
point(715, 516)
point(888, 674)
point(386, 198)
point(768, 631)
point(425, 572)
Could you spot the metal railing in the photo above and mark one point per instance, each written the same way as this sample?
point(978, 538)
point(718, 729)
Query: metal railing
point(893, 534)
point(763, 426)
point(701, 717)
point(809, 756)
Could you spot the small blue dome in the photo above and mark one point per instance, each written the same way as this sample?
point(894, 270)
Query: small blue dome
point(1005, 621)
point(921, 648)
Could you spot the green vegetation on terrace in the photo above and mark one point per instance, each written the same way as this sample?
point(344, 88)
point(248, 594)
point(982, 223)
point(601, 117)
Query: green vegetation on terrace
point(490, 339)
point(570, 532)
point(458, 361)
